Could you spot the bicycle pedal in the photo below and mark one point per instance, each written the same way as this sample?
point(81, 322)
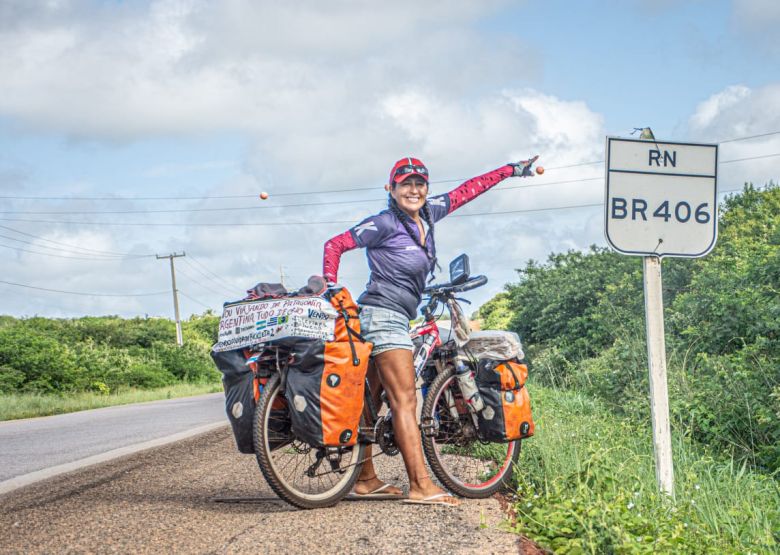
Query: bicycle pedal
point(429, 427)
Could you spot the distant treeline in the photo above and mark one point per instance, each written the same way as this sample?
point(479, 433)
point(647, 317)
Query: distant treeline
point(103, 354)
point(581, 316)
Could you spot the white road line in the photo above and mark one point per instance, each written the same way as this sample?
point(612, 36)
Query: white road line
point(27, 479)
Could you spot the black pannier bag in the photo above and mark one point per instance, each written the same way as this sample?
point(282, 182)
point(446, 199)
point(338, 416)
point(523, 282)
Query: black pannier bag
point(326, 378)
point(238, 383)
point(507, 412)
point(240, 380)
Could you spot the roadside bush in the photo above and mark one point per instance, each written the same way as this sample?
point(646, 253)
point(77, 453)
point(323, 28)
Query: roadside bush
point(102, 354)
point(47, 365)
point(581, 317)
point(142, 374)
point(11, 379)
point(189, 363)
point(586, 484)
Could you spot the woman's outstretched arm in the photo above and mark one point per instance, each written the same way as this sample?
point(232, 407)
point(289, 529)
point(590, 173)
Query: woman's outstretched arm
point(334, 248)
point(471, 189)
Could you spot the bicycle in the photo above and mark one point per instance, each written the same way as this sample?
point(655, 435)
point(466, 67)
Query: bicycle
point(315, 477)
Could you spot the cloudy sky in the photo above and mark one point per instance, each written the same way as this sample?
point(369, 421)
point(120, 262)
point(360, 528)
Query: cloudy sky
point(130, 129)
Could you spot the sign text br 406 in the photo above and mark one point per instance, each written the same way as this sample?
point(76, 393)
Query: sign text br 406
point(661, 197)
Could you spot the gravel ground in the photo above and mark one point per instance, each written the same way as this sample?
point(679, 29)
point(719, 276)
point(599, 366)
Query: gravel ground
point(162, 500)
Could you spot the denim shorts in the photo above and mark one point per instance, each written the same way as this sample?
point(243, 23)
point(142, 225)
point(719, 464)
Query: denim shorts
point(385, 328)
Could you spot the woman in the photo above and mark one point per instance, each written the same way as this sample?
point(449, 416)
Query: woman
point(401, 253)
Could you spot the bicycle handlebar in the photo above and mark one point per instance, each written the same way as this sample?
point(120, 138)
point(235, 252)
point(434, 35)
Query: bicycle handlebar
point(443, 288)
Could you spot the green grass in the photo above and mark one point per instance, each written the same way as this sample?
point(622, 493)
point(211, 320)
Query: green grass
point(586, 484)
point(28, 405)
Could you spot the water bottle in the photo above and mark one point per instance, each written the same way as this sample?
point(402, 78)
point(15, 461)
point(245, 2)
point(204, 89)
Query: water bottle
point(468, 387)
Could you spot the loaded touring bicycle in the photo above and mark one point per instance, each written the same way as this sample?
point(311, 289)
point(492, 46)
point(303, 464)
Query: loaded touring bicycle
point(294, 371)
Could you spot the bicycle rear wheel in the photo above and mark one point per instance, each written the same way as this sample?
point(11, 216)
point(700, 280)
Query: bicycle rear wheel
point(304, 476)
point(459, 459)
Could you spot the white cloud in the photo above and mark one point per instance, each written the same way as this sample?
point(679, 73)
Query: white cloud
point(328, 96)
point(735, 112)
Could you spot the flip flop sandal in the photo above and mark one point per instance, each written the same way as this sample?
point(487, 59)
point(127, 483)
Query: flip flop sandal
point(377, 494)
point(435, 499)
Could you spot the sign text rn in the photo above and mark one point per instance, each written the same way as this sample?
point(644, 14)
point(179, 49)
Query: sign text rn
point(665, 158)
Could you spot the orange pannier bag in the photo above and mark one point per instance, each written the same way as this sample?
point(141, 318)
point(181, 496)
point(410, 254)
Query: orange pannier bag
point(507, 413)
point(325, 381)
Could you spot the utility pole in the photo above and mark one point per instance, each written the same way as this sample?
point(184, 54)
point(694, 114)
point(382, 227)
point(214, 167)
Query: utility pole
point(179, 337)
point(281, 275)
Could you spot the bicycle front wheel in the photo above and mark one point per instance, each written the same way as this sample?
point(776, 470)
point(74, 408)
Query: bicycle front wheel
point(304, 476)
point(459, 459)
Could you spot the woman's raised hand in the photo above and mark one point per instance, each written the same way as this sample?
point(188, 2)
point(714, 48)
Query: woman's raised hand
point(523, 168)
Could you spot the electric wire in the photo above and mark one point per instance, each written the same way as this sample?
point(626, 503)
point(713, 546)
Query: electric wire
point(92, 259)
point(216, 277)
point(299, 223)
point(85, 294)
point(183, 294)
point(252, 208)
point(310, 204)
point(89, 251)
point(280, 194)
point(199, 284)
point(80, 255)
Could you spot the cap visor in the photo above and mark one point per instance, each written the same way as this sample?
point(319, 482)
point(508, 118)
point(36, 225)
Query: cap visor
point(399, 178)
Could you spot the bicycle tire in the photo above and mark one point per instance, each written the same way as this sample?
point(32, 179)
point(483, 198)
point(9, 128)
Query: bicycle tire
point(443, 466)
point(267, 451)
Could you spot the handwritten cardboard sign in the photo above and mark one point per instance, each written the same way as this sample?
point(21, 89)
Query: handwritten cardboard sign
point(248, 323)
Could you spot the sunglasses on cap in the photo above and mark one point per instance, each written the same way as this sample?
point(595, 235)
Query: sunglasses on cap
point(403, 170)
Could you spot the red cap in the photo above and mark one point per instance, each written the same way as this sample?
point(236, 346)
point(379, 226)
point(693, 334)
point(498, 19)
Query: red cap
point(406, 167)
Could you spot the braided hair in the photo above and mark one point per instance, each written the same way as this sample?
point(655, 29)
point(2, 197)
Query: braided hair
point(425, 212)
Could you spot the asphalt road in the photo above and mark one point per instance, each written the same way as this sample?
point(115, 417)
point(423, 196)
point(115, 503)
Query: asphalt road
point(35, 444)
point(162, 500)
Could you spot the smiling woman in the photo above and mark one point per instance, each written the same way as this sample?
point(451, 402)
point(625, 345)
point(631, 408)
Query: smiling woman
point(401, 254)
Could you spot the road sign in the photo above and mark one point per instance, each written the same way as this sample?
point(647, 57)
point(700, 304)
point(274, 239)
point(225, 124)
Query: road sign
point(661, 197)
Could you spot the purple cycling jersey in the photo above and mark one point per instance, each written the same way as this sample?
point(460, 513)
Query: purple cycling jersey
point(399, 266)
point(398, 263)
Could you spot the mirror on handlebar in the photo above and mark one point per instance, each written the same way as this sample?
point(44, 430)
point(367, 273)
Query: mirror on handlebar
point(459, 270)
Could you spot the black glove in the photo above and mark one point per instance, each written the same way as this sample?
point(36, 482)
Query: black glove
point(523, 167)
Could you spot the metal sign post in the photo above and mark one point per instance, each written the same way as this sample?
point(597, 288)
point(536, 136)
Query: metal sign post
point(656, 362)
point(661, 201)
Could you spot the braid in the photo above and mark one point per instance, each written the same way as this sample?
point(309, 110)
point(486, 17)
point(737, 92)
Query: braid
point(404, 219)
point(428, 217)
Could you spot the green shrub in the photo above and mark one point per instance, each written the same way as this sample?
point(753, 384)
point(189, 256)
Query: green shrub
point(11, 379)
point(190, 363)
point(586, 484)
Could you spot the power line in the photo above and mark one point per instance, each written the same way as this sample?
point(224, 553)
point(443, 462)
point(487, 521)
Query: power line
point(751, 158)
point(205, 275)
point(273, 224)
point(93, 259)
point(323, 203)
point(183, 294)
point(348, 190)
point(749, 137)
point(199, 284)
point(80, 255)
point(217, 278)
point(247, 208)
point(107, 253)
point(84, 294)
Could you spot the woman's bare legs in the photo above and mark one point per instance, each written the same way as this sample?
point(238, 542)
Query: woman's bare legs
point(396, 372)
point(368, 481)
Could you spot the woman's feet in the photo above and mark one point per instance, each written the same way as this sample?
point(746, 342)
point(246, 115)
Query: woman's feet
point(375, 486)
point(424, 491)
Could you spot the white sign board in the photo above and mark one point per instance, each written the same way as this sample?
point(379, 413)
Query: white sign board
point(661, 197)
point(248, 323)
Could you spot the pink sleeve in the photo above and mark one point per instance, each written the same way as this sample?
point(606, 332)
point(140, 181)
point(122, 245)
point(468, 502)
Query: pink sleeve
point(334, 248)
point(471, 189)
